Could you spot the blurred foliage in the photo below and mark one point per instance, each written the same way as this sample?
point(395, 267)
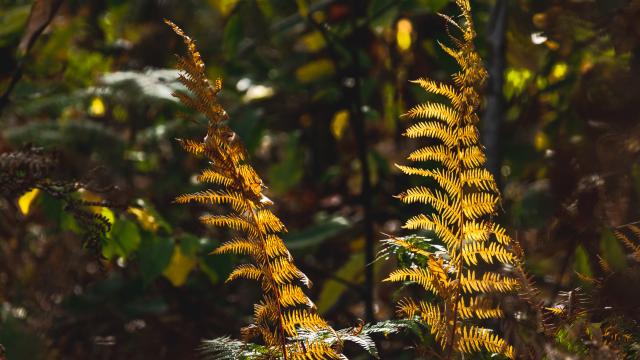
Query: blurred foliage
point(95, 88)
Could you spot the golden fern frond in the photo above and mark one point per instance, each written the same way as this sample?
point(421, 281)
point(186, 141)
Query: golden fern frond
point(437, 153)
point(214, 177)
point(214, 197)
point(431, 110)
point(480, 308)
point(461, 207)
point(490, 282)
point(435, 224)
point(284, 307)
point(628, 242)
point(245, 271)
point(476, 205)
point(441, 89)
point(193, 147)
point(293, 295)
point(418, 275)
point(473, 339)
point(427, 312)
point(434, 130)
point(313, 351)
point(449, 182)
point(233, 222)
point(296, 319)
point(399, 242)
point(472, 250)
point(238, 246)
point(476, 231)
point(473, 156)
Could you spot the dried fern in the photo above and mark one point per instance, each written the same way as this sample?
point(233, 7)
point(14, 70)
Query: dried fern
point(463, 204)
point(594, 319)
point(36, 168)
point(284, 311)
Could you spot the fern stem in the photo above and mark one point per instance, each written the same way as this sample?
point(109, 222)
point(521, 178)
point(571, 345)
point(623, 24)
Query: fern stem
point(268, 272)
point(457, 256)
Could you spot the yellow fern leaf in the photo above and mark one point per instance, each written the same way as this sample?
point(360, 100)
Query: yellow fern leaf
point(417, 275)
point(474, 339)
point(231, 221)
point(434, 111)
point(298, 319)
point(434, 130)
point(238, 246)
point(437, 153)
point(214, 177)
point(441, 89)
point(490, 282)
point(215, 197)
point(477, 205)
point(193, 147)
point(245, 271)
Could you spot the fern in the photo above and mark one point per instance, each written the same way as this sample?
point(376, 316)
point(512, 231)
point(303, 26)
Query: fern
point(285, 311)
point(594, 318)
point(462, 274)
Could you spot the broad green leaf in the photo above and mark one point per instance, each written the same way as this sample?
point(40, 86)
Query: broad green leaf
point(581, 263)
point(232, 36)
point(123, 239)
point(315, 234)
point(155, 254)
point(288, 172)
point(12, 21)
point(332, 290)
point(612, 252)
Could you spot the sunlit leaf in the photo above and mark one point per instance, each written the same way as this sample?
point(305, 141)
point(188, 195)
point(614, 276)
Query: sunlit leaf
point(581, 263)
point(24, 202)
point(97, 107)
point(179, 267)
point(612, 251)
point(123, 239)
point(339, 123)
point(333, 290)
point(315, 70)
point(403, 34)
point(225, 7)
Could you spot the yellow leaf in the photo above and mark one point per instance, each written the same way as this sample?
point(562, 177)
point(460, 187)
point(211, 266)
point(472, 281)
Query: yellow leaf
point(541, 141)
point(303, 8)
point(311, 42)
point(97, 107)
point(224, 6)
point(315, 70)
point(26, 199)
point(403, 34)
point(145, 218)
point(179, 267)
point(339, 123)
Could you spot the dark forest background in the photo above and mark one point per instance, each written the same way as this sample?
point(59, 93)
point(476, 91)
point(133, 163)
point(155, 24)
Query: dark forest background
point(315, 90)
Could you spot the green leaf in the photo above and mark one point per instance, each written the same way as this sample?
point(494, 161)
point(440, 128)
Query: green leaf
point(12, 21)
point(581, 262)
point(333, 290)
point(288, 172)
point(232, 36)
point(155, 254)
point(612, 251)
point(123, 239)
point(315, 234)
